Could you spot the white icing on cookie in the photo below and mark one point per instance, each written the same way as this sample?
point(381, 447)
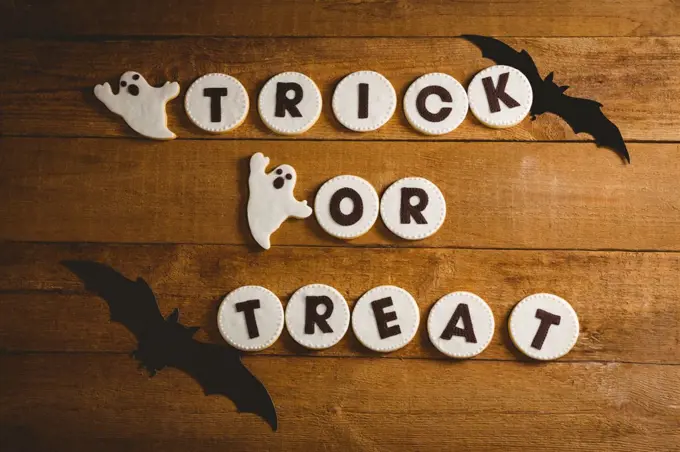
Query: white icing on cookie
point(500, 96)
point(364, 101)
point(413, 208)
point(289, 103)
point(317, 316)
point(346, 206)
point(544, 326)
point(250, 318)
point(141, 105)
point(217, 103)
point(385, 318)
point(460, 325)
point(271, 200)
point(435, 104)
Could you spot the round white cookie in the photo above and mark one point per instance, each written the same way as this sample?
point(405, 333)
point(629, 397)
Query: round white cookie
point(364, 101)
point(289, 103)
point(317, 316)
point(460, 325)
point(385, 318)
point(500, 96)
point(250, 318)
point(413, 208)
point(544, 326)
point(217, 103)
point(435, 104)
point(346, 206)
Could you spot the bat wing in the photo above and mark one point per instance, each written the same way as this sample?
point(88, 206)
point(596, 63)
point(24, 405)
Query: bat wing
point(586, 116)
point(219, 370)
point(131, 303)
point(501, 53)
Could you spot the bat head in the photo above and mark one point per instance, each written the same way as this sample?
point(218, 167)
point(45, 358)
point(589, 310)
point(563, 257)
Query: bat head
point(547, 95)
point(552, 87)
point(160, 346)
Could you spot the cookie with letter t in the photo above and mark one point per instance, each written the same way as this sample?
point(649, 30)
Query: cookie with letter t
point(271, 200)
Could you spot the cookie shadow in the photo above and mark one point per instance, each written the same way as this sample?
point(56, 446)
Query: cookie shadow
point(510, 345)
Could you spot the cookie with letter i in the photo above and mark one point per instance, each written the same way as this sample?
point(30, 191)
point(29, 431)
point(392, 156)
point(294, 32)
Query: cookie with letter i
point(364, 101)
point(544, 326)
point(289, 103)
point(250, 318)
point(346, 206)
point(216, 103)
point(435, 104)
point(385, 318)
point(460, 325)
point(413, 208)
point(141, 105)
point(317, 316)
point(271, 200)
point(500, 96)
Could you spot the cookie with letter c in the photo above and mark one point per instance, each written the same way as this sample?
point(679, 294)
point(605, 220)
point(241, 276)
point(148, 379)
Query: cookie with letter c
point(435, 104)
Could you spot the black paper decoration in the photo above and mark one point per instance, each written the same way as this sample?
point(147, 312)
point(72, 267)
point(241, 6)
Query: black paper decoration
point(583, 115)
point(166, 342)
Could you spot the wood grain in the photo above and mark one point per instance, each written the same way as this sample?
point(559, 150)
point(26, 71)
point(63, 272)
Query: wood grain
point(46, 86)
point(507, 195)
point(626, 302)
point(559, 216)
point(105, 402)
point(340, 18)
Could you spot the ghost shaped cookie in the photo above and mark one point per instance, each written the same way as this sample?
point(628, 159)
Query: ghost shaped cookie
point(141, 105)
point(271, 200)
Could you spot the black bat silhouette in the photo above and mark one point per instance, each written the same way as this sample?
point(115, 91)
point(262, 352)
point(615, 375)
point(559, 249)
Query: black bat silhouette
point(166, 342)
point(583, 115)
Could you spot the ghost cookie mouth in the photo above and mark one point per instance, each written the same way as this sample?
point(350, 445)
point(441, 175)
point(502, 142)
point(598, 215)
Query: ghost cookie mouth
point(279, 182)
point(132, 89)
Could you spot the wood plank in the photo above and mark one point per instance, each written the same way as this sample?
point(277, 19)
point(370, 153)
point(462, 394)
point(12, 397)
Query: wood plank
point(46, 87)
point(340, 18)
point(50, 402)
point(627, 302)
point(506, 195)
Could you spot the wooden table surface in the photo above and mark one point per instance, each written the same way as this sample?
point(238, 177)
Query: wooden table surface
point(530, 209)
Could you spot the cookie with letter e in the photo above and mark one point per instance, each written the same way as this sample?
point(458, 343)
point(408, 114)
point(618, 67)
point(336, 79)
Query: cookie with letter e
point(141, 105)
point(271, 200)
point(385, 318)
